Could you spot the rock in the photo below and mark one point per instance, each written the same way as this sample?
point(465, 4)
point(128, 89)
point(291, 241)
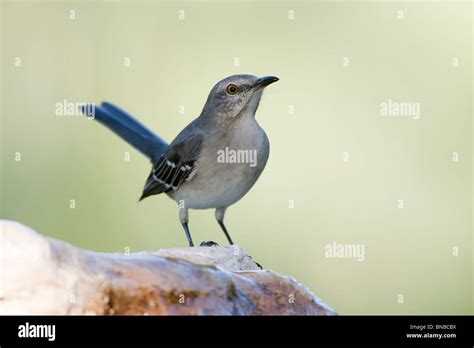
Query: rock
point(231, 258)
point(40, 275)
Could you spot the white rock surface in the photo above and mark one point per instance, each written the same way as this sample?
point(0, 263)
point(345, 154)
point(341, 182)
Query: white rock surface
point(40, 275)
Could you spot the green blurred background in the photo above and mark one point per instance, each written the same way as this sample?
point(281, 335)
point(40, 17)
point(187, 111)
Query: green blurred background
point(176, 61)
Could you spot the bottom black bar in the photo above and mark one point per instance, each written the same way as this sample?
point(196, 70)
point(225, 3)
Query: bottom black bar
point(136, 331)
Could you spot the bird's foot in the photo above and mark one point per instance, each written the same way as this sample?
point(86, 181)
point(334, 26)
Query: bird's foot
point(208, 243)
point(258, 265)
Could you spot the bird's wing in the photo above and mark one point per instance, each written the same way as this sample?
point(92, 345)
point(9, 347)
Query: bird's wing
point(176, 165)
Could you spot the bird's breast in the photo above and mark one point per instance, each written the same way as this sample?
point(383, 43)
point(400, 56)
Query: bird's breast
point(229, 165)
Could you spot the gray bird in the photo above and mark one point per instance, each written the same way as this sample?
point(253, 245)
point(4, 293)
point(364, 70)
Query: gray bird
point(215, 160)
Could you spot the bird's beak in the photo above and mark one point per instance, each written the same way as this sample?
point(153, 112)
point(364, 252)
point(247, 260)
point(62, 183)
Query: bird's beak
point(265, 81)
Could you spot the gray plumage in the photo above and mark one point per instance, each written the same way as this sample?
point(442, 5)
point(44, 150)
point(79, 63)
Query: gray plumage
point(188, 170)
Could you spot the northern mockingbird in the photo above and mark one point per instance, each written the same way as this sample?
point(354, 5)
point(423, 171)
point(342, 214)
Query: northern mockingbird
point(215, 160)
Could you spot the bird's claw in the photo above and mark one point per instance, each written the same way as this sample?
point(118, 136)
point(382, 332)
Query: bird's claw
point(258, 265)
point(208, 243)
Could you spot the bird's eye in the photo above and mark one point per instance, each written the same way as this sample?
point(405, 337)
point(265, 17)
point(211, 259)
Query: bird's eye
point(232, 89)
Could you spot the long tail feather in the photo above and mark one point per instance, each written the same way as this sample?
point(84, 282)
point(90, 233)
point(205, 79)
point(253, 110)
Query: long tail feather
point(129, 129)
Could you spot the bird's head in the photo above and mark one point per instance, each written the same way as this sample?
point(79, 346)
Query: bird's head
point(236, 95)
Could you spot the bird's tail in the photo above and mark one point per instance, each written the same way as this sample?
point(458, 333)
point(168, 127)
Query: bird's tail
point(128, 128)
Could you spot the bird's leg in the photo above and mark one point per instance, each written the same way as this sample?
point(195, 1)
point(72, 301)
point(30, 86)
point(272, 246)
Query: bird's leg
point(220, 220)
point(188, 235)
point(183, 217)
point(221, 224)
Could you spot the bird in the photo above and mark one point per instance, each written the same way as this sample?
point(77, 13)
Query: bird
point(193, 169)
